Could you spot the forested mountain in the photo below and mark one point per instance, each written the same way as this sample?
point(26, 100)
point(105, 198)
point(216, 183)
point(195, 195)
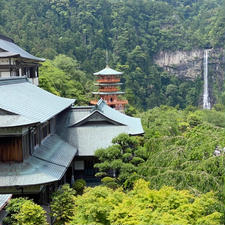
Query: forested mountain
point(132, 31)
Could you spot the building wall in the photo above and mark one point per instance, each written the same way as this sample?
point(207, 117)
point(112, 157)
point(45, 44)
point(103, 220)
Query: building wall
point(4, 74)
point(11, 149)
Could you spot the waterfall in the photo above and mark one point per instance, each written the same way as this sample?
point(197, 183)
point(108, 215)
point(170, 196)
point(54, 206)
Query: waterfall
point(206, 103)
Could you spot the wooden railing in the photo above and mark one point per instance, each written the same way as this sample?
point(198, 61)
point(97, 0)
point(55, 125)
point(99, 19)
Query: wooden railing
point(121, 102)
point(108, 81)
point(108, 89)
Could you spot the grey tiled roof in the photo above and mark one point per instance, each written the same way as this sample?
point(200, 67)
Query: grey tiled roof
point(14, 121)
point(8, 54)
point(15, 49)
point(108, 71)
point(134, 124)
point(4, 199)
point(48, 164)
point(96, 133)
point(55, 150)
point(32, 171)
point(21, 97)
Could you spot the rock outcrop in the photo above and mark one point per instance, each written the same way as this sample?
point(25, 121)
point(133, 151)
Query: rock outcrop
point(189, 64)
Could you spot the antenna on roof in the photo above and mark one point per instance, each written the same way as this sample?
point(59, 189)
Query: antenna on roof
point(107, 58)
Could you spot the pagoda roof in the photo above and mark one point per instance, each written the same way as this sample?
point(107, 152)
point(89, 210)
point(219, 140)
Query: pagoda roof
point(108, 71)
point(30, 102)
point(48, 164)
point(109, 93)
point(108, 84)
point(8, 46)
point(89, 129)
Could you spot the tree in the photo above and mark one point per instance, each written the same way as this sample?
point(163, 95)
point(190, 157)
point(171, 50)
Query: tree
point(142, 205)
point(121, 159)
point(24, 212)
point(31, 213)
point(62, 205)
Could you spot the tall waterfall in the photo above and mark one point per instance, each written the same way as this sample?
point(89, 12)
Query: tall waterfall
point(206, 103)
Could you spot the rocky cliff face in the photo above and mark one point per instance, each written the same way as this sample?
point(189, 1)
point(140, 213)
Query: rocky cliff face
point(189, 65)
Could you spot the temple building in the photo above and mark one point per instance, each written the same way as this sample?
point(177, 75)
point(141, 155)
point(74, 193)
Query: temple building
point(89, 128)
point(32, 156)
point(14, 61)
point(108, 81)
point(46, 141)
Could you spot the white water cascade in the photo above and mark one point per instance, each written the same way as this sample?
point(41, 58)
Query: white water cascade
point(206, 103)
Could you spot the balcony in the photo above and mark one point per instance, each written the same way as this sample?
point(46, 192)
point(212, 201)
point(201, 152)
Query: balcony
point(110, 103)
point(108, 80)
point(108, 89)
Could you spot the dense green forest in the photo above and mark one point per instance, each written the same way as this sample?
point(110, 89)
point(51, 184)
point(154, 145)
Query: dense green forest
point(132, 31)
point(169, 176)
point(180, 140)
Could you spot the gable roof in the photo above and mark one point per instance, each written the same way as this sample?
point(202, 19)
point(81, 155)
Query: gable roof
point(21, 97)
point(91, 128)
point(134, 124)
point(108, 71)
point(13, 49)
point(96, 116)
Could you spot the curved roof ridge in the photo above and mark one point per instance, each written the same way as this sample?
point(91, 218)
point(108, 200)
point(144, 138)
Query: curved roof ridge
point(83, 120)
point(108, 71)
point(14, 48)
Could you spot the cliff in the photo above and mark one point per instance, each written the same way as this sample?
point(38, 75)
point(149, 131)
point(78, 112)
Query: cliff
point(189, 65)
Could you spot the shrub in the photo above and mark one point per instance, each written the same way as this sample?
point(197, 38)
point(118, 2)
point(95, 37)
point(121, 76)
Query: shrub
point(24, 212)
point(109, 182)
point(79, 186)
point(62, 205)
point(31, 214)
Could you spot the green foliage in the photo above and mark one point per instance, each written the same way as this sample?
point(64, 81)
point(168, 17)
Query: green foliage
point(62, 204)
point(79, 186)
point(31, 213)
point(13, 209)
point(142, 205)
point(109, 182)
point(22, 211)
point(133, 32)
point(63, 77)
point(121, 159)
point(180, 146)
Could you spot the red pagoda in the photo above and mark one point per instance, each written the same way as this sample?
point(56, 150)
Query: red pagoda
point(108, 81)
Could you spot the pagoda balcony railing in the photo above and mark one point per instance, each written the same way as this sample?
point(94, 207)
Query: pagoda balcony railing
point(118, 102)
point(115, 102)
point(108, 80)
point(108, 89)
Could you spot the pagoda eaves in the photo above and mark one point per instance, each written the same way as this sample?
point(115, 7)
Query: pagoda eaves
point(109, 81)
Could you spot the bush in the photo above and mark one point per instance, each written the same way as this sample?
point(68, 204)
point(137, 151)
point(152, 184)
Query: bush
point(62, 205)
point(24, 212)
point(194, 119)
point(79, 186)
point(12, 209)
point(31, 214)
point(109, 182)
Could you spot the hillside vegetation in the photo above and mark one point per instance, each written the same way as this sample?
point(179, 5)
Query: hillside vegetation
point(132, 31)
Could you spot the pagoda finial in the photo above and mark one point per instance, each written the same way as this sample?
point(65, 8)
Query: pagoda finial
point(107, 58)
